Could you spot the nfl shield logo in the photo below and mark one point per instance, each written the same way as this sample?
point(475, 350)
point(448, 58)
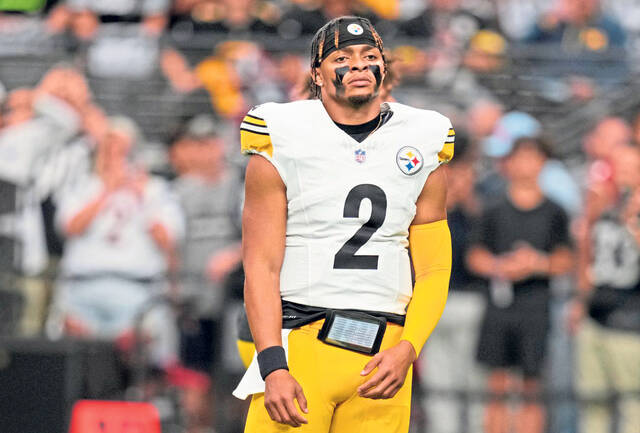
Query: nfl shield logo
point(361, 156)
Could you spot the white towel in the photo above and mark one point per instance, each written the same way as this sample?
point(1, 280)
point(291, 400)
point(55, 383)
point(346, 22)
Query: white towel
point(251, 382)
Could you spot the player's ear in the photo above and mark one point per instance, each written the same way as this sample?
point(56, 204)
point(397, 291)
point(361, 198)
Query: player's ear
point(317, 79)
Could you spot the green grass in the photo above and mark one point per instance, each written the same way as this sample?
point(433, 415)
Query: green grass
point(21, 5)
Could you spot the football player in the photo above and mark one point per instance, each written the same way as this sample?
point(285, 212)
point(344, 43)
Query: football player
point(337, 190)
point(244, 340)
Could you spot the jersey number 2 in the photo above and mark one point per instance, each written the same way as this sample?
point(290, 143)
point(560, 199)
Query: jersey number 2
point(346, 257)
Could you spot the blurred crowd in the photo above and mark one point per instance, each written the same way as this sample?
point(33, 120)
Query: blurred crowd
point(121, 192)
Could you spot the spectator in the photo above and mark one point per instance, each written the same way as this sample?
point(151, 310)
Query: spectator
point(233, 18)
point(555, 180)
point(302, 20)
point(208, 191)
point(444, 20)
point(237, 75)
point(457, 43)
point(579, 25)
point(293, 73)
point(520, 243)
point(24, 33)
point(121, 36)
point(582, 38)
point(627, 13)
point(122, 228)
point(41, 154)
point(608, 134)
point(41, 123)
point(42, 119)
point(601, 146)
point(448, 365)
point(245, 15)
point(516, 18)
point(482, 118)
point(606, 311)
point(486, 52)
point(68, 164)
point(558, 185)
point(84, 17)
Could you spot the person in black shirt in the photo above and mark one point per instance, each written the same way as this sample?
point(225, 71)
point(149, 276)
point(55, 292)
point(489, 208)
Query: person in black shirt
point(520, 242)
point(605, 314)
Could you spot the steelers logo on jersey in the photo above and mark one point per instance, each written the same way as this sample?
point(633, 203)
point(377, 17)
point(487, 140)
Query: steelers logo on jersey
point(409, 160)
point(355, 29)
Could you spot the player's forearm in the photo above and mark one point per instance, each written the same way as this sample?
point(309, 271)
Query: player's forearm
point(262, 292)
point(426, 307)
point(263, 243)
point(264, 308)
point(431, 253)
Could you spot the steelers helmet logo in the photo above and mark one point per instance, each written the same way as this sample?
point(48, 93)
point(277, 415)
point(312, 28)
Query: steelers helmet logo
point(355, 29)
point(409, 160)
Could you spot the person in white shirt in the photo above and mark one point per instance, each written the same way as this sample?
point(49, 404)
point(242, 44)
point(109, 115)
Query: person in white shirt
point(121, 228)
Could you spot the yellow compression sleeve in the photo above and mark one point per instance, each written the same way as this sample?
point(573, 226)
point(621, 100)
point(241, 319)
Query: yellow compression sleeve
point(430, 246)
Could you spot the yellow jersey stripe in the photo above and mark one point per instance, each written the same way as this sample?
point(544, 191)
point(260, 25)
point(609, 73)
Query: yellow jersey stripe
point(254, 132)
point(255, 123)
point(446, 154)
point(254, 120)
point(255, 142)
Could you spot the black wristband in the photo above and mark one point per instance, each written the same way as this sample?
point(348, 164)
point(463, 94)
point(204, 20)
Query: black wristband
point(271, 359)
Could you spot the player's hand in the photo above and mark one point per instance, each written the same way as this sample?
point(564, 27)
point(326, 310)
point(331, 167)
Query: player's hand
point(280, 391)
point(392, 365)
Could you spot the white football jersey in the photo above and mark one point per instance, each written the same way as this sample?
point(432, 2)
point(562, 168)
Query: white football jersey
point(350, 204)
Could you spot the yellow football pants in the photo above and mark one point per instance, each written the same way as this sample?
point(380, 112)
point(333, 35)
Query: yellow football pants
point(329, 377)
point(246, 349)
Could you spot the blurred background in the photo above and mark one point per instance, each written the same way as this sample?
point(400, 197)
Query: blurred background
point(121, 194)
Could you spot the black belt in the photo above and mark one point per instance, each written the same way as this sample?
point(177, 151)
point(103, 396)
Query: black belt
point(297, 315)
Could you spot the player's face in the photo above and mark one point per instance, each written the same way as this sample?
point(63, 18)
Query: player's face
point(352, 75)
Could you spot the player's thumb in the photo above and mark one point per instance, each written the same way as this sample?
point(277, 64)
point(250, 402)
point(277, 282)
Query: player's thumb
point(371, 365)
point(302, 400)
